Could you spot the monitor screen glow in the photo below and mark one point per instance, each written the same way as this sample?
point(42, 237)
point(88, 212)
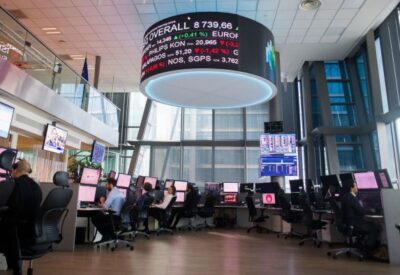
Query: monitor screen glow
point(385, 183)
point(55, 139)
point(366, 180)
point(180, 197)
point(231, 187)
point(87, 193)
point(269, 198)
point(6, 116)
point(180, 185)
point(230, 198)
point(211, 186)
point(151, 180)
point(90, 176)
point(168, 184)
point(124, 180)
point(98, 153)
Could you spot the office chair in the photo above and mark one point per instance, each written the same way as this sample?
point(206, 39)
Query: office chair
point(190, 214)
point(50, 221)
point(117, 224)
point(314, 226)
point(207, 211)
point(163, 227)
point(288, 215)
point(348, 232)
point(142, 216)
point(253, 216)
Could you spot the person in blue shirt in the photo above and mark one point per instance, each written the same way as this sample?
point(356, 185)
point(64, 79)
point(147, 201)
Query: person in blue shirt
point(115, 201)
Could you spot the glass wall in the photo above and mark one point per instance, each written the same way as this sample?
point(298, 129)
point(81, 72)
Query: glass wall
point(165, 162)
point(350, 153)
point(229, 124)
point(381, 71)
point(197, 164)
point(164, 123)
point(362, 71)
point(197, 124)
point(255, 118)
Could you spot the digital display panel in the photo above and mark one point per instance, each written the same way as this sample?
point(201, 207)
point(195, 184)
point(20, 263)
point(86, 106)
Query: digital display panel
point(208, 40)
point(90, 176)
point(271, 144)
point(86, 193)
point(278, 165)
point(180, 197)
point(230, 198)
point(231, 187)
point(124, 180)
point(211, 186)
point(98, 152)
point(168, 183)
point(180, 185)
point(366, 180)
point(151, 180)
point(55, 139)
point(6, 115)
point(269, 198)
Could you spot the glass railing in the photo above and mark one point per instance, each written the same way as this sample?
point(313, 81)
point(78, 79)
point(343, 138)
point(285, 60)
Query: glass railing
point(20, 47)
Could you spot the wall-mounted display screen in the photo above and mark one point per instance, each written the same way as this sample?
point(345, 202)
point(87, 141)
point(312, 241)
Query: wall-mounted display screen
point(278, 165)
point(98, 153)
point(6, 116)
point(90, 176)
point(124, 180)
point(55, 139)
point(277, 144)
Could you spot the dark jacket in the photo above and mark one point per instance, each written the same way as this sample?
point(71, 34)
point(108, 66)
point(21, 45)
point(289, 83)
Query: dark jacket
point(352, 210)
point(145, 200)
point(190, 201)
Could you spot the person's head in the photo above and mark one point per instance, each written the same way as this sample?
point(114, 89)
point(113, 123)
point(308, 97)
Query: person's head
point(111, 183)
point(189, 188)
point(21, 168)
point(171, 190)
point(349, 186)
point(147, 187)
point(53, 135)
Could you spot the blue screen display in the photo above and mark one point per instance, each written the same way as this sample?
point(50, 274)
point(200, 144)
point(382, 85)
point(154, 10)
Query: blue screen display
point(278, 165)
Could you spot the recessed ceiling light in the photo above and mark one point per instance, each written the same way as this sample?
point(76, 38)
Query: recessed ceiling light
point(53, 32)
point(76, 55)
point(309, 5)
point(49, 29)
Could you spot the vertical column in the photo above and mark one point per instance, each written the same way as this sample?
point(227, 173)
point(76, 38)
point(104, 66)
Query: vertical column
point(97, 71)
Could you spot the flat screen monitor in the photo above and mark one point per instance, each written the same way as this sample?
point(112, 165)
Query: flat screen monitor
point(87, 193)
point(168, 184)
point(140, 181)
point(230, 198)
point(278, 165)
point(6, 116)
point(329, 180)
point(296, 185)
point(98, 153)
point(124, 180)
point(180, 197)
point(123, 191)
point(246, 187)
point(211, 186)
point(265, 187)
point(55, 139)
point(269, 198)
point(231, 187)
point(346, 177)
point(277, 144)
point(180, 185)
point(90, 176)
point(383, 178)
point(366, 180)
point(2, 171)
point(151, 180)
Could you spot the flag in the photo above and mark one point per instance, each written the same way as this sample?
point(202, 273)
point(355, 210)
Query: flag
point(85, 72)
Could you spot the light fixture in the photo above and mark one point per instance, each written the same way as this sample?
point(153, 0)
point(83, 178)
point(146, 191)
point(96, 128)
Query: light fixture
point(53, 32)
point(49, 29)
point(309, 5)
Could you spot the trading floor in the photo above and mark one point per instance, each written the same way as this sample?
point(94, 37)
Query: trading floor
point(209, 252)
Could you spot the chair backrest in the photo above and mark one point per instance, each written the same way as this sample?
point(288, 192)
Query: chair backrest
point(305, 205)
point(210, 201)
point(53, 210)
point(338, 216)
point(60, 179)
point(6, 159)
point(251, 207)
point(129, 201)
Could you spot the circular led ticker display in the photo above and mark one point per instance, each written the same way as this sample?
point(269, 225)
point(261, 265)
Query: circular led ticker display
point(185, 51)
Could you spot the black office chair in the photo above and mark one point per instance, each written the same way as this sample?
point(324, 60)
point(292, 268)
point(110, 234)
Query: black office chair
point(141, 217)
point(50, 221)
point(207, 211)
point(253, 218)
point(117, 224)
point(189, 214)
point(289, 216)
point(314, 226)
point(163, 226)
point(348, 232)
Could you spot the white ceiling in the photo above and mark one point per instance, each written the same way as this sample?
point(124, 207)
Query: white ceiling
point(114, 29)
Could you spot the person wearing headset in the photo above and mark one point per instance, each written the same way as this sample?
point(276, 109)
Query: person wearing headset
point(24, 204)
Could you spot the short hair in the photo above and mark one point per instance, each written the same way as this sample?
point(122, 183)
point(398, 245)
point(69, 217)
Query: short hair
point(190, 187)
point(147, 186)
point(112, 181)
point(22, 167)
point(173, 189)
point(347, 185)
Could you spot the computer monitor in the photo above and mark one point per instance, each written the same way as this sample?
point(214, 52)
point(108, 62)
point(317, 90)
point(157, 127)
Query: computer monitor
point(6, 116)
point(168, 183)
point(151, 180)
point(246, 187)
point(90, 176)
point(86, 193)
point(124, 180)
point(211, 186)
point(346, 177)
point(265, 187)
point(55, 139)
point(180, 197)
point(180, 185)
point(330, 180)
point(366, 180)
point(268, 198)
point(231, 187)
point(230, 198)
point(123, 191)
point(296, 185)
point(383, 178)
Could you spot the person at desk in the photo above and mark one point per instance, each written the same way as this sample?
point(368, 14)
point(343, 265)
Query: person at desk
point(115, 201)
point(189, 204)
point(24, 204)
point(156, 209)
point(144, 201)
point(354, 213)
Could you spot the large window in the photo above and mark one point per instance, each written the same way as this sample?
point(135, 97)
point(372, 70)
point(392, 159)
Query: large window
point(137, 102)
point(350, 153)
point(164, 123)
point(229, 164)
point(165, 162)
point(198, 164)
point(255, 118)
point(229, 124)
point(316, 109)
point(197, 124)
point(381, 72)
point(362, 72)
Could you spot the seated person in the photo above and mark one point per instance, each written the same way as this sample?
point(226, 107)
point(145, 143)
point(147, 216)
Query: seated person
point(24, 205)
point(115, 201)
point(353, 214)
point(189, 204)
point(157, 209)
point(144, 202)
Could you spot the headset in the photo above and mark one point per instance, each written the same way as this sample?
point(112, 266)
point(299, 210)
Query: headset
point(15, 166)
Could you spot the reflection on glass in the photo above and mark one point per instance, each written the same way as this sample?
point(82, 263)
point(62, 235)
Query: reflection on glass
point(197, 164)
point(164, 123)
point(198, 124)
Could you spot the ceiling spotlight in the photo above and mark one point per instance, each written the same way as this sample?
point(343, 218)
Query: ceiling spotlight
point(309, 5)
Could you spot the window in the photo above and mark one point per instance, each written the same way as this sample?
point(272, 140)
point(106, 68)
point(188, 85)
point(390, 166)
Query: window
point(165, 162)
point(197, 124)
point(255, 118)
point(164, 123)
point(362, 79)
point(252, 164)
point(229, 164)
point(143, 163)
point(316, 109)
point(197, 164)
point(381, 72)
point(229, 124)
point(350, 153)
